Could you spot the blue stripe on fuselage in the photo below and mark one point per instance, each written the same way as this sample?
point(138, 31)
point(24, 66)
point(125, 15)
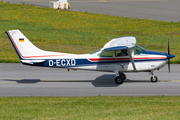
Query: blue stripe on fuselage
point(76, 62)
point(155, 53)
point(85, 62)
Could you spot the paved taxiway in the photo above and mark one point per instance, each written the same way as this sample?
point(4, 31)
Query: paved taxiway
point(19, 80)
point(163, 10)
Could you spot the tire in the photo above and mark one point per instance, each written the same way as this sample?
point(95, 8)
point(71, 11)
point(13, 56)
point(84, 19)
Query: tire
point(119, 80)
point(155, 79)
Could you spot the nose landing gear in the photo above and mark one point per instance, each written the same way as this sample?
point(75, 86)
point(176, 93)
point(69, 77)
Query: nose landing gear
point(153, 78)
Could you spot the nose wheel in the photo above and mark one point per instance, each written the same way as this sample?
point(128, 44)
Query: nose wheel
point(153, 78)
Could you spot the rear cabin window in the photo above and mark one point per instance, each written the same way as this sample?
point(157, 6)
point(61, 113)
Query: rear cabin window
point(119, 53)
point(95, 52)
point(106, 54)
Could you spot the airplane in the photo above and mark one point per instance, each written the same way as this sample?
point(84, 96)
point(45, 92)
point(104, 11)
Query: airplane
point(120, 55)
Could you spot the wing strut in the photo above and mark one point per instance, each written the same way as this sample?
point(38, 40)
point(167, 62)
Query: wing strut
point(132, 61)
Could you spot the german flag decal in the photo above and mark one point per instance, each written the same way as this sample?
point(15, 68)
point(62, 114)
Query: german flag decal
point(21, 39)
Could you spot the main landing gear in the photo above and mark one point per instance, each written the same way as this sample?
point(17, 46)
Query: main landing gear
point(120, 78)
point(153, 77)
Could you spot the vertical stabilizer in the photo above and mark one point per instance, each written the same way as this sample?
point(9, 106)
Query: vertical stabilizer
point(22, 45)
point(25, 49)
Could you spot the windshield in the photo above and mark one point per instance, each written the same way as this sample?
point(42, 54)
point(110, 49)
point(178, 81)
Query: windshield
point(138, 49)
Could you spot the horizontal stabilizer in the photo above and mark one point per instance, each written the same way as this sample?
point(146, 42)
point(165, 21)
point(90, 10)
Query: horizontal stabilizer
point(32, 61)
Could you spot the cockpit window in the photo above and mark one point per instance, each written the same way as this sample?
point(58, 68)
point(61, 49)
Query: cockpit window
point(137, 49)
point(95, 52)
point(106, 54)
point(119, 53)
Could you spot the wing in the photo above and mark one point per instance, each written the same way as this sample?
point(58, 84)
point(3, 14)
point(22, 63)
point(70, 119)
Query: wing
point(120, 43)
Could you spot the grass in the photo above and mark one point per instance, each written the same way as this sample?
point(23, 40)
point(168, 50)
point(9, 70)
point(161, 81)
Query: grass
point(100, 108)
point(81, 32)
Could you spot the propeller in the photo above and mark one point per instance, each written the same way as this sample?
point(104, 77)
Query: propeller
point(168, 58)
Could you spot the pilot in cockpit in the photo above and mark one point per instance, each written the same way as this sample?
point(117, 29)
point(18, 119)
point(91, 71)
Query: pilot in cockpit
point(121, 53)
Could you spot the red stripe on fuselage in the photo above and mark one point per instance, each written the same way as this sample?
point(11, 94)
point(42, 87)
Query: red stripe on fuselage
point(107, 59)
point(115, 59)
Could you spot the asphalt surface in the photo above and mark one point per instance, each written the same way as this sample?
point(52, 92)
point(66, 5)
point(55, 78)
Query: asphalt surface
point(19, 80)
point(163, 10)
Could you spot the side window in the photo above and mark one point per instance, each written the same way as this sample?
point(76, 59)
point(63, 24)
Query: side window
point(106, 54)
point(121, 53)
